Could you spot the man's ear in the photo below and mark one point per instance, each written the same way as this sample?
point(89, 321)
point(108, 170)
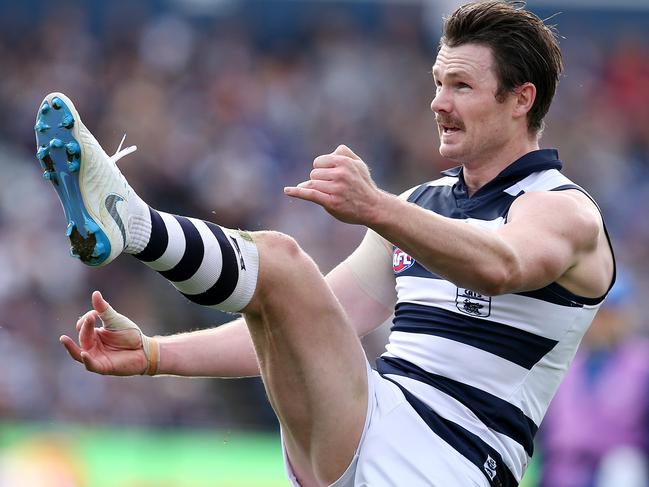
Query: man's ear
point(525, 95)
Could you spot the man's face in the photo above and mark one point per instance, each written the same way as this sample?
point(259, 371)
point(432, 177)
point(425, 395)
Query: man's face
point(472, 124)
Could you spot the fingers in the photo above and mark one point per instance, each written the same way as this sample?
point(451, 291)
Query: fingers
point(336, 158)
point(91, 315)
point(87, 332)
point(303, 192)
point(99, 303)
point(110, 318)
point(80, 356)
point(326, 162)
point(328, 174)
point(343, 150)
point(71, 347)
point(322, 184)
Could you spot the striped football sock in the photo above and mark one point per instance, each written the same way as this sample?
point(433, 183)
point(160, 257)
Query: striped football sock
point(208, 264)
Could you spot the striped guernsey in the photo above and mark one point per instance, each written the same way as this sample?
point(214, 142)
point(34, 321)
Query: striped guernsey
point(481, 370)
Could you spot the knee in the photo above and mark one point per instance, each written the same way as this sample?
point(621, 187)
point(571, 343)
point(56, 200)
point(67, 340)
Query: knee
point(282, 266)
point(281, 255)
point(279, 245)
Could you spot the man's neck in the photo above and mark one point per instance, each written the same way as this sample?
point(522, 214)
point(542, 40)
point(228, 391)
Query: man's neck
point(480, 172)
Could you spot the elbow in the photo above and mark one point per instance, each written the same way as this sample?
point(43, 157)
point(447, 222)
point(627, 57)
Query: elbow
point(496, 287)
point(501, 278)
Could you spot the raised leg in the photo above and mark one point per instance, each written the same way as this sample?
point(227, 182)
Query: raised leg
point(312, 362)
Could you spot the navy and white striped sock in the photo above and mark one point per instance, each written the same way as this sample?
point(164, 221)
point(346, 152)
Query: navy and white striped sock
point(208, 264)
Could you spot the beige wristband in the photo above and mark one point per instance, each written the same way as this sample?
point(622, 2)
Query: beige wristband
point(151, 348)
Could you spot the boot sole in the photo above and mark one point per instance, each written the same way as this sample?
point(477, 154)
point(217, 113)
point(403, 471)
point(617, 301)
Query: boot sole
point(60, 156)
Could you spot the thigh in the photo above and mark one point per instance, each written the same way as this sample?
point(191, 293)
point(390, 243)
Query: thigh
point(347, 477)
point(311, 360)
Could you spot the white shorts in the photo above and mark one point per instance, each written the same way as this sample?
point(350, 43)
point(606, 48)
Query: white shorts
point(397, 448)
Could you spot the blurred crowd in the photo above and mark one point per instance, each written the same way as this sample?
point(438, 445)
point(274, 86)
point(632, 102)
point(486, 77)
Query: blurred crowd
point(225, 111)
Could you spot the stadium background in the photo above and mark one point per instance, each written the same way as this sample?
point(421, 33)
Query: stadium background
point(228, 101)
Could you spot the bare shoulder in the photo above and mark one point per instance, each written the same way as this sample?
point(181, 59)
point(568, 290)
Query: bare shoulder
point(573, 218)
point(569, 211)
point(570, 199)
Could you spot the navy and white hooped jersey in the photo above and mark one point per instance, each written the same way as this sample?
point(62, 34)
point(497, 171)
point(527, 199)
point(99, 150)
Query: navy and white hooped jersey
point(481, 370)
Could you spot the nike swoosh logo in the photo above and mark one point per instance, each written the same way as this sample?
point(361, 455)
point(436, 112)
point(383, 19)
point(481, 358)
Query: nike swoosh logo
point(236, 246)
point(111, 206)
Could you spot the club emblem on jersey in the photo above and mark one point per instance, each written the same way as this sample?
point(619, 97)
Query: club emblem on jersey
point(401, 261)
point(490, 467)
point(472, 303)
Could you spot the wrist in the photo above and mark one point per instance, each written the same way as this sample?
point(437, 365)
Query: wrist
point(381, 209)
point(151, 348)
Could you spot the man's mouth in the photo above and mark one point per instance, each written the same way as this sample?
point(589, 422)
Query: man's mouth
point(449, 126)
point(449, 129)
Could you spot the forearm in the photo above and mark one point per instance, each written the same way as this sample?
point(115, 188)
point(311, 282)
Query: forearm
point(225, 351)
point(468, 256)
point(363, 284)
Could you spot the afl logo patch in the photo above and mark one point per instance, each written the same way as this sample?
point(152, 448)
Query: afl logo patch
point(401, 261)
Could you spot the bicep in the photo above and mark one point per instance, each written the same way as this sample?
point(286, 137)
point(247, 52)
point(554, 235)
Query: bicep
point(364, 283)
point(547, 233)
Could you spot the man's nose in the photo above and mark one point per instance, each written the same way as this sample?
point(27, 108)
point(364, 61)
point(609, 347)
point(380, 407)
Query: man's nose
point(441, 102)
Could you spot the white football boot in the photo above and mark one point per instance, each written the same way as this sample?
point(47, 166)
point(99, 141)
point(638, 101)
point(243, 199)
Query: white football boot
point(99, 204)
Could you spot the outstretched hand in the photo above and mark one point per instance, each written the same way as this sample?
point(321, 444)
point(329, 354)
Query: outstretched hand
point(340, 182)
point(115, 348)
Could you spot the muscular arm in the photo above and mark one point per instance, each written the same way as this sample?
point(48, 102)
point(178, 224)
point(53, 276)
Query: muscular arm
point(546, 235)
point(549, 236)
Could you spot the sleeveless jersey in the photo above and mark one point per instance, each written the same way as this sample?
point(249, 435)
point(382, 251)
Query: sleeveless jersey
point(481, 370)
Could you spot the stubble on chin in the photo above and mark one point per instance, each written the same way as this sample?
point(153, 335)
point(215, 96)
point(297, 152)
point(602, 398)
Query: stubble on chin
point(450, 153)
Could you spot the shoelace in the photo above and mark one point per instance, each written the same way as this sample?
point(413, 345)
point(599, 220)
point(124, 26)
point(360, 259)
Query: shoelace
point(119, 153)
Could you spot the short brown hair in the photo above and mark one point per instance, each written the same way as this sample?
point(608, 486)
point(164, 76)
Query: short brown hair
point(524, 49)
